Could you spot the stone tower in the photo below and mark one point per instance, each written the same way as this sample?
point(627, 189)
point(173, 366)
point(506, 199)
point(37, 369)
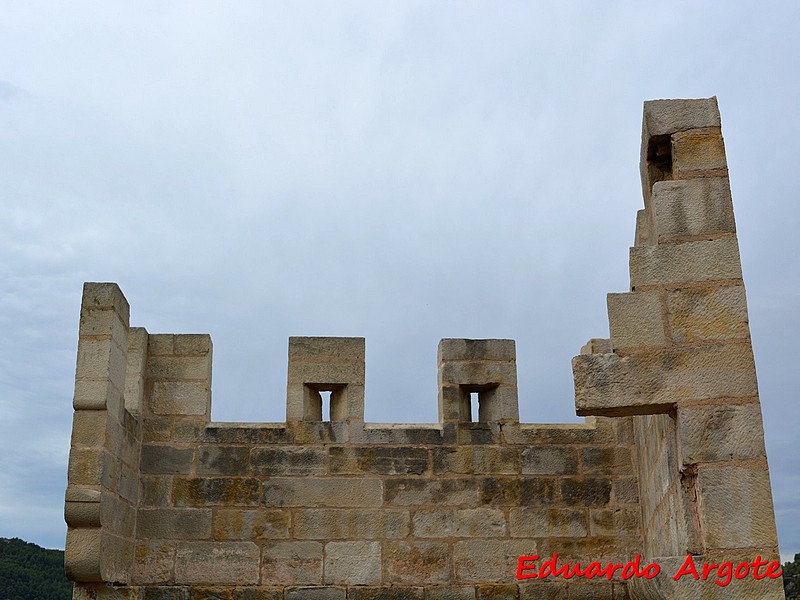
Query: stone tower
point(163, 504)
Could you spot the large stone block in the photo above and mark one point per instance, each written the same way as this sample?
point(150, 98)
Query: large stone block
point(174, 523)
point(165, 460)
point(288, 461)
point(719, 433)
point(334, 524)
point(353, 563)
point(395, 592)
point(223, 460)
point(665, 117)
point(454, 522)
point(313, 492)
point(431, 491)
point(484, 561)
point(606, 461)
point(692, 207)
point(689, 262)
point(250, 524)
point(587, 491)
point(698, 153)
point(82, 554)
point(215, 491)
point(647, 382)
point(380, 460)
point(505, 491)
point(315, 593)
point(232, 563)
point(105, 296)
point(704, 314)
point(292, 563)
point(180, 398)
point(531, 522)
point(736, 508)
point(416, 562)
point(154, 562)
point(550, 460)
point(635, 320)
point(477, 459)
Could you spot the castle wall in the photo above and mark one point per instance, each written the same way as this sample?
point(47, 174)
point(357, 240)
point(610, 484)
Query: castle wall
point(163, 504)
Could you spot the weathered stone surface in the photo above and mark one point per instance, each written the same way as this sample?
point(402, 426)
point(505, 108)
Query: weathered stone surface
point(339, 492)
point(497, 491)
point(705, 314)
point(380, 460)
point(166, 460)
point(608, 384)
point(698, 153)
point(247, 524)
point(589, 491)
point(497, 592)
point(250, 433)
point(663, 117)
point(215, 491)
point(353, 563)
point(385, 593)
point(530, 522)
point(233, 563)
point(543, 590)
point(719, 433)
point(740, 491)
point(416, 562)
point(101, 591)
point(82, 554)
point(450, 593)
point(180, 398)
point(292, 563)
point(431, 491)
point(223, 460)
point(466, 522)
point(673, 264)
point(477, 561)
point(469, 350)
point(174, 523)
point(550, 460)
point(693, 207)
point(166, 593)
point(635, 319)
point(609, 522)
point(333, 524)
point(288, 461)
point(153, 562)
point(606, 461)
point(315, 593)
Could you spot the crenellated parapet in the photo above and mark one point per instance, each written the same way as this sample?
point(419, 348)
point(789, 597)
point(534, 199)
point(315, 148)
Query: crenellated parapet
point(163, 503)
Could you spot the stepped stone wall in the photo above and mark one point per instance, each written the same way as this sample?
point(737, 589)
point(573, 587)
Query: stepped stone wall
point(164, 504)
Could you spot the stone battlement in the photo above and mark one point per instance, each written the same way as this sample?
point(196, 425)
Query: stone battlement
point(162, 503)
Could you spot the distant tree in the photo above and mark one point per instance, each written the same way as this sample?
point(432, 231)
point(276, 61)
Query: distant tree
point(791, 578)
point(29, 572)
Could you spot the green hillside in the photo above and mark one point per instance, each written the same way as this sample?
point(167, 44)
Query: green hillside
point(29, 572)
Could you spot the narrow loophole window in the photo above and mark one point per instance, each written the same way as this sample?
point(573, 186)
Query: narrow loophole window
point(326, 405)
point(474, 406)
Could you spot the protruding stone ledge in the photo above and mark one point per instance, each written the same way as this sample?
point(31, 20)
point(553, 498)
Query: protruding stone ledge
point(655, 381)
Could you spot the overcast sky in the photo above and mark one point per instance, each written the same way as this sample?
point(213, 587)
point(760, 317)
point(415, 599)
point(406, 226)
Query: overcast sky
point(403, 171)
